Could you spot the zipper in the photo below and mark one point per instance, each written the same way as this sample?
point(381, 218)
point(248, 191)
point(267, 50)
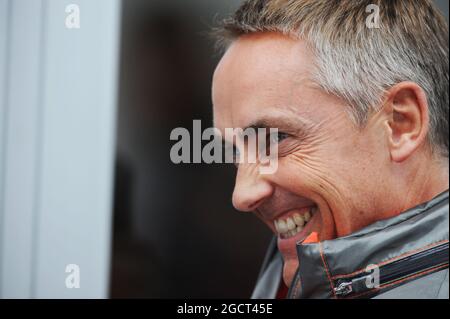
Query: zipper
point(435, 257)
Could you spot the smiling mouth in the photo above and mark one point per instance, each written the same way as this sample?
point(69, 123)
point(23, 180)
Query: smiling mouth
point(294, 222)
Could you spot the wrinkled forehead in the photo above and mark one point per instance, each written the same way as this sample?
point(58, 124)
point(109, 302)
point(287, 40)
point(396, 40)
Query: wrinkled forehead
point(260, 76)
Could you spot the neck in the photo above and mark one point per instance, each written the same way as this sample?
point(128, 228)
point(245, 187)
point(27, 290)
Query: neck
point(425, 180)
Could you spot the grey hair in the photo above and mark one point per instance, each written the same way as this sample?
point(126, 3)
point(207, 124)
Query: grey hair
point(358, 63)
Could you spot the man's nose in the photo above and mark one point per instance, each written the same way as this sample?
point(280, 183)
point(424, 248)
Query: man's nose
point(251, 188)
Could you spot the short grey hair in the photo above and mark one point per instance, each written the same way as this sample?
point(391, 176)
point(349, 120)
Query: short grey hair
point(358, 63)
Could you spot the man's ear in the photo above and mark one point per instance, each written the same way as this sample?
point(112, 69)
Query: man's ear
point(408, 119)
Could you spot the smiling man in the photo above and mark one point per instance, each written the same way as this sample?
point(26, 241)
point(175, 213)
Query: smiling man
point(359, 202)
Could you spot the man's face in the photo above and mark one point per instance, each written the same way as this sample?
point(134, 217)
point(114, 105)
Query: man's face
point(325, 163)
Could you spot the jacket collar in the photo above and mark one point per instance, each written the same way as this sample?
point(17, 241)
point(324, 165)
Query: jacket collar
point(322, 264)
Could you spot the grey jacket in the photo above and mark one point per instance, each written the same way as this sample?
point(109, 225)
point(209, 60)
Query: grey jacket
point(407, 257)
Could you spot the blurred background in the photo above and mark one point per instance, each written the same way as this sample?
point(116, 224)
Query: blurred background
point(85, 173)
point(176, 233)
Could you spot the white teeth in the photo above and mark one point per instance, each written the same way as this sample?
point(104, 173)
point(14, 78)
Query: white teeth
point(290, 224)
point(282, 227)
point(307, 216)
point(298, 219)
point(294, 224)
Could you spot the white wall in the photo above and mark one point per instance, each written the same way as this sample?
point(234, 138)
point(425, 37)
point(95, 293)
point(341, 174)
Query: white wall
point(57, 128)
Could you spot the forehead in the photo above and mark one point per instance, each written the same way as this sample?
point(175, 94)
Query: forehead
point(262, 75)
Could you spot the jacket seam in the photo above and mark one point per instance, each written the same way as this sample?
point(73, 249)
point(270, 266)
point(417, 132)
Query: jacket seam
point(392, 259)
point(296, 288)
point(327, 271)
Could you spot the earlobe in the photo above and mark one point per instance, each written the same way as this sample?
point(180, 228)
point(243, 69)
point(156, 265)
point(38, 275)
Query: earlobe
point(408, 121)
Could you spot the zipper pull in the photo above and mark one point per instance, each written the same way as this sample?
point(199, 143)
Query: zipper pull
point(355, 285)
point(343, 289)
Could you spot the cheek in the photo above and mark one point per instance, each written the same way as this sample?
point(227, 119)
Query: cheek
point(326, 169)
point(306, 174)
